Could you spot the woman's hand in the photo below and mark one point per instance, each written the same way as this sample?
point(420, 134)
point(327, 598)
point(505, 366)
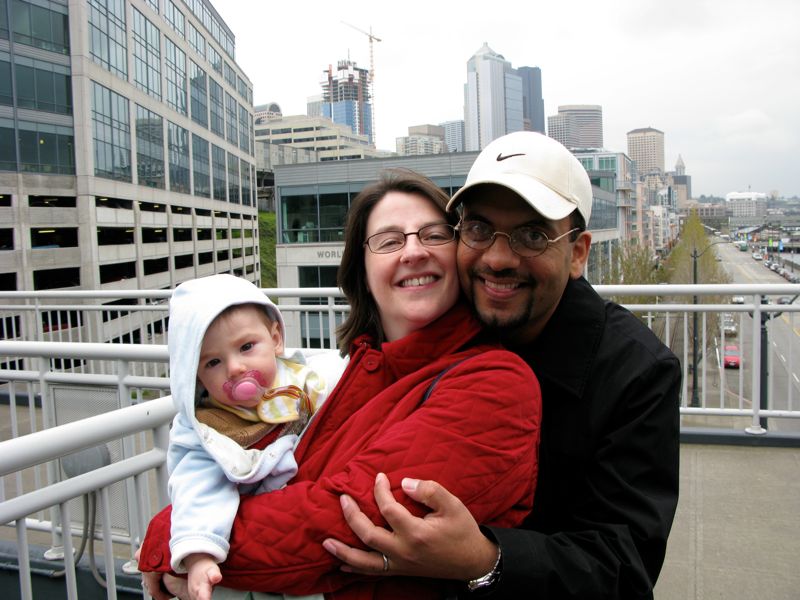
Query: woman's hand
point(151, 582)
point(446, 543)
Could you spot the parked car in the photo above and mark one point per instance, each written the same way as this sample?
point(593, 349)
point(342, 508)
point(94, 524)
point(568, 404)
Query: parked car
point(737, 300)
point(729, 325)
point(730, 357)
point(757, 256)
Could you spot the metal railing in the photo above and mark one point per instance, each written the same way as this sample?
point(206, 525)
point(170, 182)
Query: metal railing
point(66, 399)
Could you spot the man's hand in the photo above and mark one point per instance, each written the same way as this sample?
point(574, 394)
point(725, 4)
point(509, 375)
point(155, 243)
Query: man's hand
point(204, 574)
point(446, 543)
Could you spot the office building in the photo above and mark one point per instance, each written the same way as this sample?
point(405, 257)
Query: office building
point(346, 98)
point(493, 104)
point(746, 204)
point(577, 126)
point(646, 149)
point(266, 112)
point(454, 135)
point(681, 183)
point(422, 139)
point(532, 101)
point(564, 129)
point(126, 147)
point(616, 173)
point(331, 141)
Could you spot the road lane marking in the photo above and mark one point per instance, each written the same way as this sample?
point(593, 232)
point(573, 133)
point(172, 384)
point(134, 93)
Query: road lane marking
point(795, 378)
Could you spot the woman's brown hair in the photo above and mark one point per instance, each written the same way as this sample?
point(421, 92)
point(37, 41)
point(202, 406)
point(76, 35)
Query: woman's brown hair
point(352, 276)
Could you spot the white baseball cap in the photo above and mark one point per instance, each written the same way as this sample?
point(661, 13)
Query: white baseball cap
point(538, 168)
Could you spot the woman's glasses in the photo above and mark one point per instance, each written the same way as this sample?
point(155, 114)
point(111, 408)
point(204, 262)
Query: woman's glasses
point(385, 242)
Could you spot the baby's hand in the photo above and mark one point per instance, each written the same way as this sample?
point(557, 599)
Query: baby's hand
point(204, 574)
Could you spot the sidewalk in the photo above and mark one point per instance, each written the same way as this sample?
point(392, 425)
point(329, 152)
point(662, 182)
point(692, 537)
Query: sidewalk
point(737, 530)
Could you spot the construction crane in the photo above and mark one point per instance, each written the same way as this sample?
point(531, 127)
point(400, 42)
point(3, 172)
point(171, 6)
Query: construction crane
point(372, 38)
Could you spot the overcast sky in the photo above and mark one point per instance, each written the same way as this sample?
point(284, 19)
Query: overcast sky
point(720, 78)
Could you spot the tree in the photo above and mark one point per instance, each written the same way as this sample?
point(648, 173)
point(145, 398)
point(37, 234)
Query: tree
point(266, 245)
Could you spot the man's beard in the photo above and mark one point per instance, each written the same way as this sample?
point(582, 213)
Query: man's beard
point(508, 326)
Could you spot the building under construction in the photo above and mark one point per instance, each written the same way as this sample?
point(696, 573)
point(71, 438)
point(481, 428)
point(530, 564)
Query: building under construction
point(347, 98)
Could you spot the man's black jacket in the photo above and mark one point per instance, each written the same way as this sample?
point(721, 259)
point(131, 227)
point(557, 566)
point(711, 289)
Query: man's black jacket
point(608, 470)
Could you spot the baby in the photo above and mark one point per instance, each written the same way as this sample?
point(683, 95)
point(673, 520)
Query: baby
point(241, 405)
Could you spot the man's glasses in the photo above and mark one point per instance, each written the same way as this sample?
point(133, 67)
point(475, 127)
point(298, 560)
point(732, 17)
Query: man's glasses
point(385, 242)
point(528, 242)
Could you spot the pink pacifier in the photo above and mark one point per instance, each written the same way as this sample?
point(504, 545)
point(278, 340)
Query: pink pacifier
point(247, 389)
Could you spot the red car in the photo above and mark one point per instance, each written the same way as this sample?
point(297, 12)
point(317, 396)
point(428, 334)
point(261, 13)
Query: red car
point(730, 357)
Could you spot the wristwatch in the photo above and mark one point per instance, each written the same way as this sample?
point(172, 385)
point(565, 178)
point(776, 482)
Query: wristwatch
point(486, 581)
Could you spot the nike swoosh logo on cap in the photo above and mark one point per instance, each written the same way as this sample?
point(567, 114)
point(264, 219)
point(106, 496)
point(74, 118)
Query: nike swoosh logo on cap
point(501, 157)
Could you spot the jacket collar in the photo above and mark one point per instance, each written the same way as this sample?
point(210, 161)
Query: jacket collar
point(449, 333)
point(574, 331)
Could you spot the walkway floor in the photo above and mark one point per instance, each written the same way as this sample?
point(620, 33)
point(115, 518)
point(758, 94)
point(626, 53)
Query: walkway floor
point(737, 530)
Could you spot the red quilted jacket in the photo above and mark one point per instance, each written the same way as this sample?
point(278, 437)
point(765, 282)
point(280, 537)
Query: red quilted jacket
point(477, 434)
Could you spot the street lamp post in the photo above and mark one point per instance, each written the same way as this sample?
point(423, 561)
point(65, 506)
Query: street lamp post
point(695, 401)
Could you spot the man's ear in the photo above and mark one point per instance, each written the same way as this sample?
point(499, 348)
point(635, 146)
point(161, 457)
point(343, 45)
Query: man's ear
point(580, 254)
point(277, 337)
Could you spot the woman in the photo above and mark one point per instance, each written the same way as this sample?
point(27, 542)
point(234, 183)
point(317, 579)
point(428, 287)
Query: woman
point(474, 429)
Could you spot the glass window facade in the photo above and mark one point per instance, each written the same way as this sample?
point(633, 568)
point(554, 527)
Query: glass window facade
point(230, 75)
point(149, 148)
point(146, 55)
point(604, 210)
point(197, 41)
point(8, 149)
point(107, 37)
point(244, 128)
point(233, 179)
point(218, 172)
point(5, 79)
point(199, 92)
point(176, 76)
point(215, 59)
point(202, 170)
point(175, 17)
point(231, 118)
point(42, 85)
point(315, 213)
point(42, 25)
point(217, 107)
point(244, 169)
point(112, 134)
point(607, 163)
point(46, 148)
point(178, 142)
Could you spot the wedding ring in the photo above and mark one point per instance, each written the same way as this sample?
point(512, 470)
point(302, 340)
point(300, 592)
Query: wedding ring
point(385, 562)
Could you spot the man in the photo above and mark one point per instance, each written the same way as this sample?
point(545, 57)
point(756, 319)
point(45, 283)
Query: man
point(608, 471)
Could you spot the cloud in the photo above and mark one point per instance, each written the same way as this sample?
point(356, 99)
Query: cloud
point(754, 130)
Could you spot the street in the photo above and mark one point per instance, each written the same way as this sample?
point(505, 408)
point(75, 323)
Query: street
point(783, 334)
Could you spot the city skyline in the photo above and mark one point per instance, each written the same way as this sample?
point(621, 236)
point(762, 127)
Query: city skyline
point(718, 78)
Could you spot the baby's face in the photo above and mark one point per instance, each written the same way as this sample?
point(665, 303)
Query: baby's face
point(236, 343)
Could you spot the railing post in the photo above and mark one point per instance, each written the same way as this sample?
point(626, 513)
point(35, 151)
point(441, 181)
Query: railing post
point(759, 375)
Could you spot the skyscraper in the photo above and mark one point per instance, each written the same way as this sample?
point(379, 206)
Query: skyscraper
point(454, 135)
point(126, 147)
point(347, 98)
point(532, 101)
point(577, 126)
point(646, 148)
point(492, 99)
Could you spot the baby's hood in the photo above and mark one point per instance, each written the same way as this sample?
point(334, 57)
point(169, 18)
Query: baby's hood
point(192, 308)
